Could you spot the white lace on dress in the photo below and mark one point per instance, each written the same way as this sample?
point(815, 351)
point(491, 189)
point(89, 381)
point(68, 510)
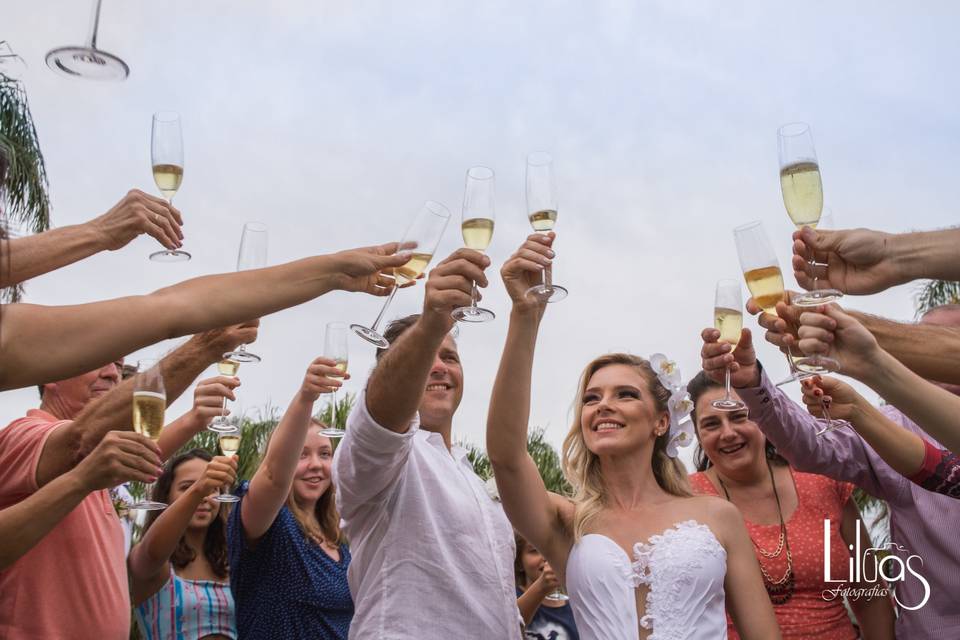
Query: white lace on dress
point(683, 567)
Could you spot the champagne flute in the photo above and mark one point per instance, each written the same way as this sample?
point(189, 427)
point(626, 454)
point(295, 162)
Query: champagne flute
point(477, 228)
point(424, 235)
point(335, 348)
point(220, 424)
point(802, 191)
point(166, 156)
point(542, 213)
point(87, 61)
point(229, 445)
point(252, 255)
point(728, 320)
point(149, 406)
point(818, 363)
point(764, 279)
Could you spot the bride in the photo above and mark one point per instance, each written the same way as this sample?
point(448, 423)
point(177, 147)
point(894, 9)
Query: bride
point(641, 556)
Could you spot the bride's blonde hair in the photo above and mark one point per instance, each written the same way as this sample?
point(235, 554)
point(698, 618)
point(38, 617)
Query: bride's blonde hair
point(582, 466)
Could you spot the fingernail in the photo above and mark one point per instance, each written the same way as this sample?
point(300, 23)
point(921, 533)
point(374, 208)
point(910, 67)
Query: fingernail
point(160, 471)
point(153, 479)
point(551, 253)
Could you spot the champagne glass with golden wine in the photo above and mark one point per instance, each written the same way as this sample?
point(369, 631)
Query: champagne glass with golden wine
point(477, 228)
point(166, 156)
point(423, 235)
point(335, 347)
point(252, 255)
point(229, 445)
point(541, 184)
point(149, 406)
point(728, 320)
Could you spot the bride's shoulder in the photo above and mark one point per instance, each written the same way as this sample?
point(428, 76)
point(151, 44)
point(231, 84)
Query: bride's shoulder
point(720, 515)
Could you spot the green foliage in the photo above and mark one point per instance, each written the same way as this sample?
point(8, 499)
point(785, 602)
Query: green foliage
point(23, 175)
point(543, 454)
point(936, 293)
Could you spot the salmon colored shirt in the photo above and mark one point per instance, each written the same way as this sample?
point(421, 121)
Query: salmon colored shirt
point(807, 614)
point(73, 584)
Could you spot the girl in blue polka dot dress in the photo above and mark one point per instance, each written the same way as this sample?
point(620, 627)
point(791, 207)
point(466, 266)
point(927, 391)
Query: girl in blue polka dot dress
point(288, 559)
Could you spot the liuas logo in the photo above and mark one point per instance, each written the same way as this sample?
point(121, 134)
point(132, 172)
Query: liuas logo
point(868, 565)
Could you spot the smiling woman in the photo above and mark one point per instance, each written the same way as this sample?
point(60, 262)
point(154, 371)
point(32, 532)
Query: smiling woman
point(785, 511)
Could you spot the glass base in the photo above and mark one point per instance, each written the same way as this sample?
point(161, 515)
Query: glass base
point(332, 432)
point(817, 365)
point(242, 356)
point(87, 63)
point(178, 255)
point(220, 425)
point(832, 425)
point(816, 298)
point(550, 293)
point(370, 336)
point(557, 596)
point(728, 405)
point(147, 505)
point(795, 376)
point(227, 497)
point(473, 314)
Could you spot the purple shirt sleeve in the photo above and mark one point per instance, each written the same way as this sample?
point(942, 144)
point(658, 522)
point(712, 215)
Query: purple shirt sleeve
point(840, 454)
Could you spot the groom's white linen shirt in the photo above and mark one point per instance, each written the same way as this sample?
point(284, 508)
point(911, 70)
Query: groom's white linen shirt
point(432, 552)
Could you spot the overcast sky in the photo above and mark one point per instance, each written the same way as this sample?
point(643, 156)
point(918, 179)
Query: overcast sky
point(332, 122)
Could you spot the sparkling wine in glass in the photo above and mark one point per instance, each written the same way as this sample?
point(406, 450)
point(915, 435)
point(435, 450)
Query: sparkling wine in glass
point(802, 190)
point(336, 348)
point(149, 406)
point(229, 445)
point(762, 272)
point(477, 228)
point(252, 255)
point(542, 213)
point(423, 235)
point(728, 320)
point(166, 158)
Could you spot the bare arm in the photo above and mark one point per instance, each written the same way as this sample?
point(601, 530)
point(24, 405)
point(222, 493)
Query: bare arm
point(531, 599)
point(98, 332)
point(747, 600)
point(272, 481)
point(874, 615)
point(121, 457)
point(930, 351)
point(531, 509)
point(149, 560)
point(208, 398)
point(114, 410)
point(135, 213)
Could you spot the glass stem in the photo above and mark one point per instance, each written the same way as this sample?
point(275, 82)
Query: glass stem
point(473, 297)
point(727, 385)
point(813, 270)
point(386, 304)
point(548, 277)
point(94, 23)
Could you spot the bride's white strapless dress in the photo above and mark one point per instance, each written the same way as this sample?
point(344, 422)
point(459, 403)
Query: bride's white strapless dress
point(683, 567)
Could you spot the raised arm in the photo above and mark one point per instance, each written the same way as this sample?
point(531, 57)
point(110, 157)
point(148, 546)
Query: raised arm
point(98, 332)
point(272, 481)
point(901, 449)
point(529, 506)
point(397, 384)
point(114, 410)
point(149, 560)
point(120, 457)
point(861, 261)
point(135, 213)
point(828, 330)
point(929, 350)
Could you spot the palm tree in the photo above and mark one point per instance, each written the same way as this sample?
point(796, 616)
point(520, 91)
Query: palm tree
point(543, 454)
point(936, 293)
point(23, 176)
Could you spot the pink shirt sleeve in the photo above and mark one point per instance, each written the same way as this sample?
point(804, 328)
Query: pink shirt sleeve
point(21, 444)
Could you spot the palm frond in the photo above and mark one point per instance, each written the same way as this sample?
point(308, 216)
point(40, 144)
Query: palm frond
point(543, 454)
point(936, 293)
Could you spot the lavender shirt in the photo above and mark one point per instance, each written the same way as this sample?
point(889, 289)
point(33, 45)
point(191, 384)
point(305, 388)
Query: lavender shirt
point(925, 523)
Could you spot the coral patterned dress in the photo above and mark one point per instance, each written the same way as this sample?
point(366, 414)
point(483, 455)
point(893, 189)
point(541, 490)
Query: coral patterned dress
point(812, 611)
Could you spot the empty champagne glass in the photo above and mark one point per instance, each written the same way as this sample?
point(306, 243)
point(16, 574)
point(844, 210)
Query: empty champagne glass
point(477, 228)
point(542, 213)
point(252, 255)
point(229, 445)
point(149, 406)
point(166, 157)
point(423, 235)
point(802, 190)
point(335, 347)
point(728, 320)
